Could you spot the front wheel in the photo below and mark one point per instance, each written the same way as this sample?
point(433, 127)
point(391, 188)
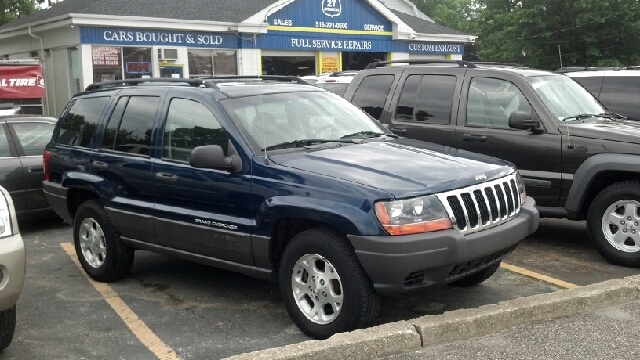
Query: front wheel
point(613, 223)
point(7, 326)
point(323, 286)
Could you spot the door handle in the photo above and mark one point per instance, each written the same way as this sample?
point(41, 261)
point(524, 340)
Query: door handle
point(99, 164)
point(36, 169)
point(399, 131)
point(469, 137)
point(166, 178)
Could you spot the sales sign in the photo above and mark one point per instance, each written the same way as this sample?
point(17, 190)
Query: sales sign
point(105, 56)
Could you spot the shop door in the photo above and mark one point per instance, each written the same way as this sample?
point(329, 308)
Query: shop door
point(171, 72)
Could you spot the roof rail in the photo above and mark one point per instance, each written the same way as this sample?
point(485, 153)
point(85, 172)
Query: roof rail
point(224, 78)
point(160, 81)
point(497, 63)
point(460, 63)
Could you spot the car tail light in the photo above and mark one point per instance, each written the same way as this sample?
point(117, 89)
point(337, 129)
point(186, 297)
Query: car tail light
point(45, 164)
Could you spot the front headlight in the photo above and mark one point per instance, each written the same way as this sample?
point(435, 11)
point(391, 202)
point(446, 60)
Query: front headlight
point(521, 190)
point(411, 216)
point(5, 217)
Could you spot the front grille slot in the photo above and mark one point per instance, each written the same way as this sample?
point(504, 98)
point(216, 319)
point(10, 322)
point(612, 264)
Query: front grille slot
point(482, 206)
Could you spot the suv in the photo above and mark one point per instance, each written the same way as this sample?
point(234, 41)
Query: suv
point(281, 180)
point(578, 160)
point(617, 89)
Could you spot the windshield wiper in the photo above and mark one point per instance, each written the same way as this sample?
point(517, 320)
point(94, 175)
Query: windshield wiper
point(368, 134)
point(580, 117)
point(306, 142)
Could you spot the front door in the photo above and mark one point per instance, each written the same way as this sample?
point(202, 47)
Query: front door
point(483, 127)
point(203, 211)
point(31, 138)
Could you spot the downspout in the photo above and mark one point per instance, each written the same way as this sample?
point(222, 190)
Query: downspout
point(45, 105)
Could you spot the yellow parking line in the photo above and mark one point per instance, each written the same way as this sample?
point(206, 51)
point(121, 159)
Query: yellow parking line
point(137, 326)
point(535, 275)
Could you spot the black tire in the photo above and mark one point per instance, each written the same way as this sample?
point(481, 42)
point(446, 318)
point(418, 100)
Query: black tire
point(622, 191)
point(477, 277)
point(7, 326)
point(361, 302)
point(119, 257)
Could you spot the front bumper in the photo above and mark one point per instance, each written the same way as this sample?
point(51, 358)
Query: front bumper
point(13, 266)
point(399, 264)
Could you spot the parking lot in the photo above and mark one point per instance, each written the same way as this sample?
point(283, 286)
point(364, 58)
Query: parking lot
point(170, 308)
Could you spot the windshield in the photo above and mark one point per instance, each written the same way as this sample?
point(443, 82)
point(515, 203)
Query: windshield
point(564, 97)
point(273, 119)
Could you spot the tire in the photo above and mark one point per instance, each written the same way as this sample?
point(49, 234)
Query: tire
point(613, 223)
point(7, 326)
point(321, 250)
point(103, 257)
point(477, 277)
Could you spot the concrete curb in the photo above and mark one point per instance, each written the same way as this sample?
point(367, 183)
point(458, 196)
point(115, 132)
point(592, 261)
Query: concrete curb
point(459, 324)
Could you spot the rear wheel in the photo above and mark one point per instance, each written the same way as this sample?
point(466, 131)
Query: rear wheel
point(323, 286)
point(7, 326)
point(101, 252)
point(478, 277)
point(613, 223)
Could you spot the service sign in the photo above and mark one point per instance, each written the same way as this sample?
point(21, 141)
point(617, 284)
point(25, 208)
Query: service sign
point(105, 56)
point(326, 15)
point(21, 82)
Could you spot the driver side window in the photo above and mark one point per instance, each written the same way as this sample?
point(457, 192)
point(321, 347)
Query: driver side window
point(492, 101)
point(189, 125)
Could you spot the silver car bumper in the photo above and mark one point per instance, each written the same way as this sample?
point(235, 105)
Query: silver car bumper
point(13, 261)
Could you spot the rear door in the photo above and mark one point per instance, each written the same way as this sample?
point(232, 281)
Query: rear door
point(124, 161)
point(423, 104)
point(31, 137)
point(11, 175)
point(483, 127)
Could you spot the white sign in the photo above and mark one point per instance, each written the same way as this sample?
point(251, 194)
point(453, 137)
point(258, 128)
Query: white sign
point(331, 8)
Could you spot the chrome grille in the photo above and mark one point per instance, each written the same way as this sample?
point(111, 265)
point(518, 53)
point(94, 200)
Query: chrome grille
point(482, 206)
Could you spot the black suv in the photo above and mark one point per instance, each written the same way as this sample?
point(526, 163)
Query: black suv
point(618, 90)
point(279, 180)
point(578, 160)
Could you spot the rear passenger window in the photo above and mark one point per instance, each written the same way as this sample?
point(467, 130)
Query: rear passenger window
point(5, 151)
point(372, 94)
point(621, 94)
point(133, 134)
point(80, 122)
point(189, 125)
point(593, 84)
point(33, 137)
point(427, 99)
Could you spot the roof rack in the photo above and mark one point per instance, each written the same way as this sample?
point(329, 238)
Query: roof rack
point(282, 78)
point(497, 63)
point(460, 63)
point(564, 70)
point(138, 81)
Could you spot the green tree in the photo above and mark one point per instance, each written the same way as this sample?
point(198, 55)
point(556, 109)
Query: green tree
point(456, 14)
point(11, 10)
point(587, 32)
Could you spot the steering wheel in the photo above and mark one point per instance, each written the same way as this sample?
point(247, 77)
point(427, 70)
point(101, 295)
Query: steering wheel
point(316, 134)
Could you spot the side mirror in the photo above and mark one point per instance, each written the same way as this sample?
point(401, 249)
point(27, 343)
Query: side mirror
point(522, 120)
point(212, 157)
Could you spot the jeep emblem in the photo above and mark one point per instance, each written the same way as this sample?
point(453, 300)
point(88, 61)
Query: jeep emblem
point(481, 177)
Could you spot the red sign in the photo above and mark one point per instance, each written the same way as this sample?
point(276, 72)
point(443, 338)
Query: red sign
point(105, 56)
point(21, 82)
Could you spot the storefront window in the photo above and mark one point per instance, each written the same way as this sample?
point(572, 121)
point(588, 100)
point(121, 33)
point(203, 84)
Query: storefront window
point(137, 62)
point(358, 60)
point(203, 63)
point(107, 63)
point(289, 65)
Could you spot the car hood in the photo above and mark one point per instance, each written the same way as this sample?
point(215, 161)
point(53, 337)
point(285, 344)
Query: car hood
point(605, 129)
point(402, 167)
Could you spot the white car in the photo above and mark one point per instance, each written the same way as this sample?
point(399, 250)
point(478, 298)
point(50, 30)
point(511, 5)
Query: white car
point(12, 267)
point(337, 82)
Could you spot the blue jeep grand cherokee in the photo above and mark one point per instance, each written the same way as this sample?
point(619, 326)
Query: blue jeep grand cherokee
point(277, 180)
